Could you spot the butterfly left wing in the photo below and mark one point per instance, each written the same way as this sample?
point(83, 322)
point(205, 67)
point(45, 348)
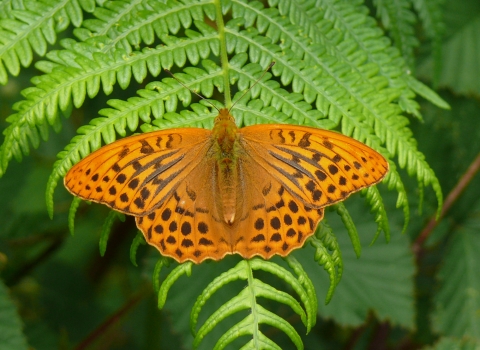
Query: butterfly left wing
point(188, 225)
point(136, 174)
point(318, 167)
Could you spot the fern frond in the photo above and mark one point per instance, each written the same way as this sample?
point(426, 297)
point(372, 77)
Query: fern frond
point(177, 272)
point(107, 228)
point(306, 282)
point(329, 241)
point(350, 226)
point(374, 199)
point(163, 261)
point(71, 214)
point(430, 13)
point(328, 255)
point(399, 20)
point(31, 26)
point(137, 242)
point(292, 105)
point(247, 299)
point(393, 181)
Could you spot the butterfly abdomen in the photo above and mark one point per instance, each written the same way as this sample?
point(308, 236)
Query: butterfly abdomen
point(227, 183)
point(225, 134)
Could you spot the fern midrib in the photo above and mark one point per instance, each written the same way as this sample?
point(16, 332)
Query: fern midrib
point(223, 53)
point(254, 312)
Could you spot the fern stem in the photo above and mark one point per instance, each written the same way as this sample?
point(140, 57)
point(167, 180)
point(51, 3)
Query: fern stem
point(223, 53)
point(254, 311)
point(452, 197)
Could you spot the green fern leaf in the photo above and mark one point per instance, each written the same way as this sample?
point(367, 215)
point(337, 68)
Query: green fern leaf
point(334, 69)
point(398, 18)
point(457, 298)
point(11, 336)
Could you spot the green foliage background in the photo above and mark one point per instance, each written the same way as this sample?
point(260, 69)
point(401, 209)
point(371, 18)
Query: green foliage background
point(56, 291)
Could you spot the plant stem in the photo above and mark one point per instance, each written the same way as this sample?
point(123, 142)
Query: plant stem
point(253, 301)
point(115, 318)
point(451, 199)
point(223, 53)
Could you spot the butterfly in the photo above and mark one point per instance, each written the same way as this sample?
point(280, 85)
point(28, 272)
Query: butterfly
point(201, 194)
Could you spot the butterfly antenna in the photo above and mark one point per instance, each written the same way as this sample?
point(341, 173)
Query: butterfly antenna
point(246, 92)
point(193, 92)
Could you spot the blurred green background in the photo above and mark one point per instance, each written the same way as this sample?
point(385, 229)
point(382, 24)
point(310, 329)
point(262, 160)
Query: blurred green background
point(64, 295)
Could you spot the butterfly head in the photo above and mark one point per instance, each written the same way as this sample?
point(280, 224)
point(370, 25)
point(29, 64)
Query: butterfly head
point(224, 116)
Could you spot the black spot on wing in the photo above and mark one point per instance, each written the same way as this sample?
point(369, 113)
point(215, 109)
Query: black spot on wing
point(258, 238)
point(205, 242)
point(327, 144)
point(332, 169)
point(133, 184)
point(146, 148)
point(123, 153)
point(305, 140)
point(292, 136)
point(202, 227)
point(170, 140)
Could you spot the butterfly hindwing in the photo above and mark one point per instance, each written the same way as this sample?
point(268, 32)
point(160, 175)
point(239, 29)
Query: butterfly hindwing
point(273, 221)
point(188, 226)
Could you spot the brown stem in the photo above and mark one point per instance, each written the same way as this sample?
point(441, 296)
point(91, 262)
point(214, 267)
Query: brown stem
point(115, 318)
point(56, 241)
point(380, 336)
point(451, 198)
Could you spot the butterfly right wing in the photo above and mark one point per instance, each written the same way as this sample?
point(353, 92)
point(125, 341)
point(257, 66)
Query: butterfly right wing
point(272, 220)
point(137, 174)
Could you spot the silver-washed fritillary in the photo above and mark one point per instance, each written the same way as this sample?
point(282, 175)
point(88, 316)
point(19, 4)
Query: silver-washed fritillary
point(200, 194)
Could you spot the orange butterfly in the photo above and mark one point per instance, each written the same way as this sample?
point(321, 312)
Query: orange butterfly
point(200, 194)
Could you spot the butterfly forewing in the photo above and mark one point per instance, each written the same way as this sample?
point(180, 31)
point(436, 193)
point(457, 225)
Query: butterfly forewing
point(316, 166)
point(136, 174)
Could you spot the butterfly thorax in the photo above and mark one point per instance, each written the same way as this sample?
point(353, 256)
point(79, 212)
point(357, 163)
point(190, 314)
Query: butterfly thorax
point(225, 136)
